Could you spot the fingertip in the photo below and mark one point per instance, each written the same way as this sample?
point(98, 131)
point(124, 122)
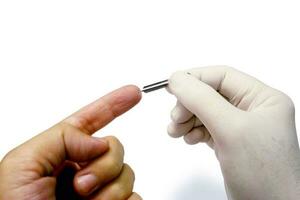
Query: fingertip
point(171, 130)
point(102, 111)
point(123, 99)
point(190, 139)
point(134, 92)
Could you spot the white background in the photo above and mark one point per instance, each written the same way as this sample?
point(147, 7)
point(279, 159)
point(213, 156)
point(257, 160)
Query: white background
point(56, 56)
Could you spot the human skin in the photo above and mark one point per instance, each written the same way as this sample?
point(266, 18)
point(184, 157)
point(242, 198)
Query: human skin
point(250, 126)
point(66, 162)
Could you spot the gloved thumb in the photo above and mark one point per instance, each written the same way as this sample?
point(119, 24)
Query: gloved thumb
point(202, 100)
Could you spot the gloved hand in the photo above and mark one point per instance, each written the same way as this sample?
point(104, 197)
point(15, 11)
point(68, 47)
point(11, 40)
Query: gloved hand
point(250, 126)
point(65, 162)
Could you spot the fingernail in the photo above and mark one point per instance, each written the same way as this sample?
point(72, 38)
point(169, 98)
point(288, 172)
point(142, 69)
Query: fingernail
point(87, 183)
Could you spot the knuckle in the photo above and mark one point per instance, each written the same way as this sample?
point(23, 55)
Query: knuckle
point(135, 196)
point(114, 166)
point(285, 101)
point(221, 68)
point(62, 126)
point(129, 170)
point(170, 129)
point(62, 129)
point(173, 130)
point(226, 67)
point(120, 191)
point(7, 158)
point(115, 143)
point(114, 140)
point(289, 102)
point(189, 140)
point(124, 189)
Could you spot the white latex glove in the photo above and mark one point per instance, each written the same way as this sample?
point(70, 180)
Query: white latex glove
point(250, 126)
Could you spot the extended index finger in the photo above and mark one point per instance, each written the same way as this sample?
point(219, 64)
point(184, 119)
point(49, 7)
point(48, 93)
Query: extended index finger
point(99, 113)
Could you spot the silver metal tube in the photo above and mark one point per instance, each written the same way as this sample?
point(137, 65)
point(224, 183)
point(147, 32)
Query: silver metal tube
point(155, 86)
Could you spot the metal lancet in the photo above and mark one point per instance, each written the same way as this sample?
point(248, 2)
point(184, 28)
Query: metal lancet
point(155, 86)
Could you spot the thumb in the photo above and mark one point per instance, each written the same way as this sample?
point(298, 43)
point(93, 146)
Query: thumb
point(48, 150)
point(201, 99)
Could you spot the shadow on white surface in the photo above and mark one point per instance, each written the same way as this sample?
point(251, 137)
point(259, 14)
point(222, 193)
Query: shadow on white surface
point(196, 188)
